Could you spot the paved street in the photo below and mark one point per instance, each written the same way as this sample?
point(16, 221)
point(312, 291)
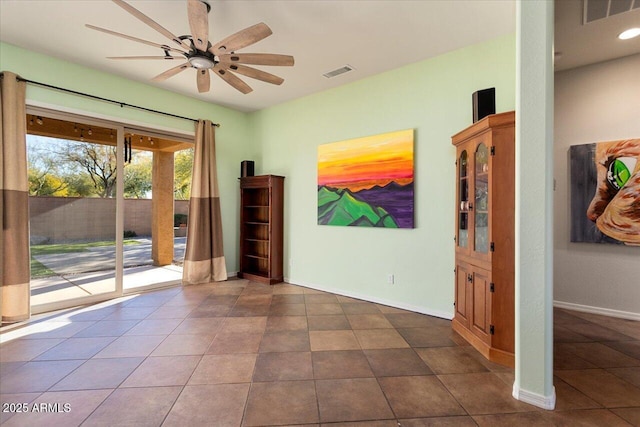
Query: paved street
point(103, 257)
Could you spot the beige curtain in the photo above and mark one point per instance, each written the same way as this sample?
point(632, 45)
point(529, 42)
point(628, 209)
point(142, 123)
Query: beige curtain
point(14, 202)
point(204, 257)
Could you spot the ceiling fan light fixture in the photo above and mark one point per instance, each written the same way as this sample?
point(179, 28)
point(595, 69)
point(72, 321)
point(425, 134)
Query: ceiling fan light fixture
point(629, 34)
point(201, 62)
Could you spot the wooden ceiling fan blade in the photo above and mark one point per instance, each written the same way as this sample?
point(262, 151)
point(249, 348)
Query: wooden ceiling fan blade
point(199, 24)
point(135, 39)
point(242, 38)
point(257, 59)
point(145, 57)
point(203, 80)
point(171, 72)
point(150, 22)
point(233, 80)
point(255, 74)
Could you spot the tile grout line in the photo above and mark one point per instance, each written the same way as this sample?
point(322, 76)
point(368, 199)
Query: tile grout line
point(245, 407)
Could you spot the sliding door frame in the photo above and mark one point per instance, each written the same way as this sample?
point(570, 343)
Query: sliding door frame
point(120, 127)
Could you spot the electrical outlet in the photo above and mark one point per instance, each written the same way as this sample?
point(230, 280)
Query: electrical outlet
point(390, 279)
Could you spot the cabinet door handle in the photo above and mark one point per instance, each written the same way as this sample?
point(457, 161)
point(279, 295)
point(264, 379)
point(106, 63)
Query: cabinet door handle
point(469, 278)
point(470, 206)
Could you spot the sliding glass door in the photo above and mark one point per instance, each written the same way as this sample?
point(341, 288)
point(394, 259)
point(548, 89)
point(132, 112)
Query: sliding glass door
point(108, 208)
point(73, 205)
point(157, 180)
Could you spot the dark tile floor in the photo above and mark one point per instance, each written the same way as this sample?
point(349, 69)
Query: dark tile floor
point(243, 354)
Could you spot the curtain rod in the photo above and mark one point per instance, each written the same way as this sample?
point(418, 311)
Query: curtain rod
point(121, 104)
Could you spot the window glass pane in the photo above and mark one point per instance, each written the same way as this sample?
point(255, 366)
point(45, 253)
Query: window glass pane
point(481, 205)
point(157, 187)
point(72, 209)
point(463, 202)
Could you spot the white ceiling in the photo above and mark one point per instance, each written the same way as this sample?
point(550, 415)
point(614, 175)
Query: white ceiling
point(597, 41)
point(372, 36)
point(322, 35)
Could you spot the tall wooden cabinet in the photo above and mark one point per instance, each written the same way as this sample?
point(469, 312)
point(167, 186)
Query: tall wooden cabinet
point(485, 226)
point(261, 228)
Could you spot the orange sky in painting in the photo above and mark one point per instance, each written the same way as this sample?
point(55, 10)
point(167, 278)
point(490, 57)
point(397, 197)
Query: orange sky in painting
point(364, 162)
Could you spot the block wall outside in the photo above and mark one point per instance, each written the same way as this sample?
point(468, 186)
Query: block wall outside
point(67, 219)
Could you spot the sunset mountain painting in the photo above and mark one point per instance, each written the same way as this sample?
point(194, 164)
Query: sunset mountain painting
point(367, 182)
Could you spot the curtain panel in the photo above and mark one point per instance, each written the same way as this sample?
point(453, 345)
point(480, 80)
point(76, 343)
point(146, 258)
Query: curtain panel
point(204, 260)
point(15, 272)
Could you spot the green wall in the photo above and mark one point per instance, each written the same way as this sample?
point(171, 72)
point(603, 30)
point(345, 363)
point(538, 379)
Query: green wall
point(232, 138)
point(434, 98)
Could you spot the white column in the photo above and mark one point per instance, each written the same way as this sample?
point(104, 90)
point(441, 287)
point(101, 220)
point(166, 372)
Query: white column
point(534, 204)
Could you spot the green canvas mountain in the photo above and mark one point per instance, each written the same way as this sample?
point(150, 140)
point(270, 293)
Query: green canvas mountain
point(341, 207)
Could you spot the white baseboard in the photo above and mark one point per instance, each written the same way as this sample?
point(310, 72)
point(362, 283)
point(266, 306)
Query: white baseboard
point(597, 310)
point(535, 399)
point(394, 304)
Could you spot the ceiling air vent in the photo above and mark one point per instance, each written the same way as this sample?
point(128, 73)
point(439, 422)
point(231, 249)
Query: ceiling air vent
point(341, 70)
point(600, 9)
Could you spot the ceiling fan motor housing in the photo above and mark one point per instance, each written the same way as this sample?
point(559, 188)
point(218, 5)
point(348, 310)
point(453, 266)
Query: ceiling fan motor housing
point(202, 61)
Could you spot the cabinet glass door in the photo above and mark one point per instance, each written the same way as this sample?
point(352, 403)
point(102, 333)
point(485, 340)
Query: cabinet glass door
point(463, 200)
point(481, 205)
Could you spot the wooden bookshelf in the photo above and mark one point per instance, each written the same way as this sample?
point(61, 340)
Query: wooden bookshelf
point(261, 228)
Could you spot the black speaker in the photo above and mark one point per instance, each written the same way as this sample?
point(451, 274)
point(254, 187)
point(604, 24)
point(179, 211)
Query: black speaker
point(484, 103)
point(246, 168)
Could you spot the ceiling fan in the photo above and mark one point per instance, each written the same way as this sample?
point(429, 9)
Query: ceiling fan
point(221, 58)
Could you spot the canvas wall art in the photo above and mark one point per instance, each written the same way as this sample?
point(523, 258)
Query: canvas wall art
point(367, 182)
point(605, 192)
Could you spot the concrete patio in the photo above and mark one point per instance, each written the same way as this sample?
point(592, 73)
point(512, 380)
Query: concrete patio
point(92, 272)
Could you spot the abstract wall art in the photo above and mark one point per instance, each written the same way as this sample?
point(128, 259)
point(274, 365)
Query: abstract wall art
point(367, 182)
point(605, 192)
